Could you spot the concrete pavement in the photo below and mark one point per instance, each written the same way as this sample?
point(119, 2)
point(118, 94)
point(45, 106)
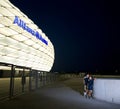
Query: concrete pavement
point(55, 97)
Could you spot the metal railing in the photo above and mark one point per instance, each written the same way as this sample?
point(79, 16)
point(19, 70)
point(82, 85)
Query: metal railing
point(18, 80)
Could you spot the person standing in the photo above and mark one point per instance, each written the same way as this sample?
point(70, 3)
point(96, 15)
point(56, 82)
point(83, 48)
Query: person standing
point(90, 86)
point(85, 82)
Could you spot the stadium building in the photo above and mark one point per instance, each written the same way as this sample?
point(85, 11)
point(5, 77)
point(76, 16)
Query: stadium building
point(26, 53)
point(22, 43)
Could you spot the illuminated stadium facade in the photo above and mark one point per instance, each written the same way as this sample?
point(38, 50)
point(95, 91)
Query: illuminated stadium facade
point(22, 43)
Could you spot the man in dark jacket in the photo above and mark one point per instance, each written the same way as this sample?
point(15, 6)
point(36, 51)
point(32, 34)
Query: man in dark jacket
point(85, 81)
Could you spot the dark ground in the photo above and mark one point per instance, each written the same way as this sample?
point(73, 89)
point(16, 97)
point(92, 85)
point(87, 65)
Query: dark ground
point(57, 96)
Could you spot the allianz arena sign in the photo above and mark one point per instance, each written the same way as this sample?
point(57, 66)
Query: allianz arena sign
point(23, 25)
point(21, 41)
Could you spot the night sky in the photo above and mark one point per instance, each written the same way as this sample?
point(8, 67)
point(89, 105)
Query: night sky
point(85, 33)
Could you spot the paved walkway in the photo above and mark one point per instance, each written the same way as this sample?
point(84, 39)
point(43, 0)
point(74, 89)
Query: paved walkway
point(55, 97)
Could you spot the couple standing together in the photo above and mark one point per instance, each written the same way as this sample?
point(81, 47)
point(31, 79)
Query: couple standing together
point(88, 85)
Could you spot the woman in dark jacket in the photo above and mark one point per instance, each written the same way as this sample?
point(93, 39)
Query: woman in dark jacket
point(90, 86)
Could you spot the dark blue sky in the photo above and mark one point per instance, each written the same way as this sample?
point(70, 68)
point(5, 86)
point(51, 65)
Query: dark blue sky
point(85, 33)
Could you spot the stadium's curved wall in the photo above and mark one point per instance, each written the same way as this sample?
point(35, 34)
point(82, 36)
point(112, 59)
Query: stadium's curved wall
point(22, 43)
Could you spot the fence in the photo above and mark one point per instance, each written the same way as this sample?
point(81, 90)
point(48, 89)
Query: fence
point(16, 80)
